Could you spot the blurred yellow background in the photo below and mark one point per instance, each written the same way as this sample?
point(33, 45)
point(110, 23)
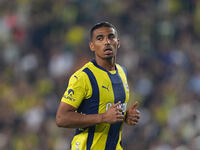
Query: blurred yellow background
point(42, 42)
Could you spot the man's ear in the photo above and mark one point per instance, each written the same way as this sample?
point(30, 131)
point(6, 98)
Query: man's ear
point(118, 45)
point(91, 46)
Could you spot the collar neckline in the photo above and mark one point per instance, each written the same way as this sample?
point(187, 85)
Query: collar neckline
point(95, 63)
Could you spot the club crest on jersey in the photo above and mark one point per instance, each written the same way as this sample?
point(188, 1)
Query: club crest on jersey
point(126, 86)
point(77, 145)
point(70, 93)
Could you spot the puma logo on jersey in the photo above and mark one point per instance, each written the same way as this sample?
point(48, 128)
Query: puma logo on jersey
point(75, 77)
point(105, 87)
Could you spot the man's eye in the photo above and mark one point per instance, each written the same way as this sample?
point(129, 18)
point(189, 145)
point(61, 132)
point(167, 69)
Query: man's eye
point(111, 36)
point(99, 38)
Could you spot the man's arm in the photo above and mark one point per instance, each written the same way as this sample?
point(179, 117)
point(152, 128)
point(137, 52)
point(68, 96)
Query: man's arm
point(68, 118)
point(132, 115)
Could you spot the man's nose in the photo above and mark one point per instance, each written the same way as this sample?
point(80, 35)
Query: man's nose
point(107, 41)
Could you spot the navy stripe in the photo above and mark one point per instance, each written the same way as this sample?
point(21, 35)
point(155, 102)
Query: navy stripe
point(90, 137)
point(90, 106)
point(119, 95)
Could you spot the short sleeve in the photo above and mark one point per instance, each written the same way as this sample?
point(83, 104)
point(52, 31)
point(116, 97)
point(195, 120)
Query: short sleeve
point(78, 89)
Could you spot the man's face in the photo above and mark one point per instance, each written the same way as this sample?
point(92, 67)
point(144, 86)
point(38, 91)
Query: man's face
point(104, 43)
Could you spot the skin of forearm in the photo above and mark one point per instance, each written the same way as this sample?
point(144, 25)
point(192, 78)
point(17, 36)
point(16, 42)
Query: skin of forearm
point(76, 120)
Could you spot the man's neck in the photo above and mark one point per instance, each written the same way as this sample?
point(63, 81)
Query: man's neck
point(108, 64)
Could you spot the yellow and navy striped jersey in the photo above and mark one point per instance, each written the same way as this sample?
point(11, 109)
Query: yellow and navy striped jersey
point(92, 90)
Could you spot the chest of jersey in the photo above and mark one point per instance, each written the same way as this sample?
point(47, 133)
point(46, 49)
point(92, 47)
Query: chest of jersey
point(111, 90)
point(107, 89)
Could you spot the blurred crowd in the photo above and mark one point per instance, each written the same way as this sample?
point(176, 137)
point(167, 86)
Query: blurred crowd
point(42, 42)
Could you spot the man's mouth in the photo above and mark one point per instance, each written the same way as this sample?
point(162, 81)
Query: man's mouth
point(108, 50)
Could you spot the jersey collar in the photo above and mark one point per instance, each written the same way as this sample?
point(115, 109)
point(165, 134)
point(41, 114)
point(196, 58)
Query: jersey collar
point(95, 63)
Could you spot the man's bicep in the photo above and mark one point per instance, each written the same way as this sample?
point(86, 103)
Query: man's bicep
point(62, 115)
point(64, 107)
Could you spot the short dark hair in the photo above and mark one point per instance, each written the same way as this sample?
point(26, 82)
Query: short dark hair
point(100, 25)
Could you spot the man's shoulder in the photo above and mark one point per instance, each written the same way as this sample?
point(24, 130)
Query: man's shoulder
point(80, 72)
